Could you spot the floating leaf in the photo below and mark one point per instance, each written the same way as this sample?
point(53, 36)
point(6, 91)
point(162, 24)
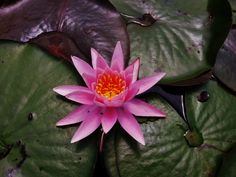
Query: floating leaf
point(184, 39)
point(225, 65)
point(87, 23)
point(215, 116)
point(233, 4)
point(30, 143)
point(173, 148)
point(229, 163)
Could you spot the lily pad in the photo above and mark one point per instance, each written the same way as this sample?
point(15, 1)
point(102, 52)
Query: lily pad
point(229, 163)
point(226, 62)
point(234, 19)
point(213, 115)
point(86, 23)
point(233, 4)
point(184, 39)
point(30, 143)
point(173, 148)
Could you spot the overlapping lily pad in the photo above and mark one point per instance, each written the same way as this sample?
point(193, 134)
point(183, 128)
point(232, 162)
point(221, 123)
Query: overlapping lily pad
point(233, 4)
point(226, 62)
point(167, 151)
point(184, 39)
point(228, 165)
point(83, 23)
point(30, 143)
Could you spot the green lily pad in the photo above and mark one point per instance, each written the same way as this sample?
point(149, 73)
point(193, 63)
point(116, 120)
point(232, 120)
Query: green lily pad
point(172, 149)
point(30, 143)
point(233, 4)
point(213, 114)
point(229, 163)
point(184, 39)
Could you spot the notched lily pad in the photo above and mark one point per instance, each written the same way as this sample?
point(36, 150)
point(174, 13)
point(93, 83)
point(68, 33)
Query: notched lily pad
point(183, 41)
point(214, 118)
point(30, 143)
point(87, 23)
point(172, 147)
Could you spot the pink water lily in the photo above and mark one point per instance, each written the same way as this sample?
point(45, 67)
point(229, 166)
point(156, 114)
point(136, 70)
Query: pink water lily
point(109, 96)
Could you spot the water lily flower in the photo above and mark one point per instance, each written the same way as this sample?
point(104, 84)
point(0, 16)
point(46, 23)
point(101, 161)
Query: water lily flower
point(109, 96)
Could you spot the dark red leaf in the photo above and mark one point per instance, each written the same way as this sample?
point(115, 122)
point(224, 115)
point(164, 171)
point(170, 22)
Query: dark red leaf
point(225, 65)
point(80, 25)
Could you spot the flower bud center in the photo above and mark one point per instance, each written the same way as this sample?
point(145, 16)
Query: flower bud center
point(110, 85)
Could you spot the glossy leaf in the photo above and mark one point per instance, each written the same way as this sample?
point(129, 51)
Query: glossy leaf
point(184, 39)
point(174, 149)
point(30, 142)
point(83, 23)
point(225, 66)
point(213, 116)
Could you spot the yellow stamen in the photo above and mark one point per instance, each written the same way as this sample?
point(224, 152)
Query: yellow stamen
point(110, 85)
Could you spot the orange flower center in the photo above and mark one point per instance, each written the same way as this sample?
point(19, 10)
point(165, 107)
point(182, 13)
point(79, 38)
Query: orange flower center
point(110, 85)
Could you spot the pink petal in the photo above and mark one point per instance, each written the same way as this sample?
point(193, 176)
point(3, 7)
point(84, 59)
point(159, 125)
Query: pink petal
point(88, 126)
point(114, 103)
point(82, 97)
point(128, 79)
point(83, 68)
point(99, 103)
point(76, 116)
point(99, 100)
point(131, 93)
point(133, 69)
point(117, 61)
point(117, 101)
point(136, 69)
point(97, 60)
point(67, 89)
point(108, 119)
point(147, 82)
point(88, 79)
point(141, 108)
point(130, 125)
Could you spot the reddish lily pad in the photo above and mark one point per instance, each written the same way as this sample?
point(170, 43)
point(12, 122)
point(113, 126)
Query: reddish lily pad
point(30, 142)
point(225, 65)
point(87, 23)
point(173, 148)
point(182, 38)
